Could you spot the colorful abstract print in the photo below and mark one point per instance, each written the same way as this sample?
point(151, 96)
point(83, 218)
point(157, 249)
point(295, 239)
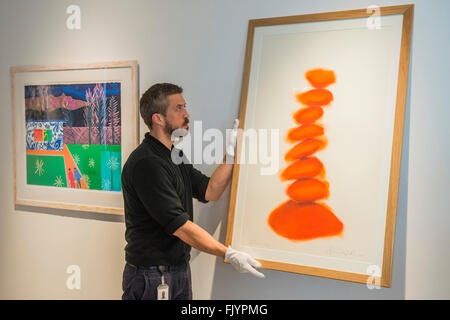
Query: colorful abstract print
point(73, 136)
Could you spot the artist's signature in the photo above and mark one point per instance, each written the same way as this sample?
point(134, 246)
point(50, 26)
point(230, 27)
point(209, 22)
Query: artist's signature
point(345, 252)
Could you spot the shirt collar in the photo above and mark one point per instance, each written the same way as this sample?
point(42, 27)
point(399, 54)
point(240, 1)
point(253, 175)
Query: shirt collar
point(158, 144)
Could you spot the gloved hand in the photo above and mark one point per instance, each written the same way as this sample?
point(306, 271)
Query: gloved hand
point(243, 262)
point(231, 141)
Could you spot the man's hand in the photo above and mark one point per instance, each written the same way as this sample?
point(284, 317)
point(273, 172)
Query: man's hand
point(231, 140)
point(243, 262)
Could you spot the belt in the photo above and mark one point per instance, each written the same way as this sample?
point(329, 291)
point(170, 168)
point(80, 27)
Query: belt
point(160, 268)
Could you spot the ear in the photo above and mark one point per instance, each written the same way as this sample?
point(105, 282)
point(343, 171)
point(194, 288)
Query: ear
point(158, 119)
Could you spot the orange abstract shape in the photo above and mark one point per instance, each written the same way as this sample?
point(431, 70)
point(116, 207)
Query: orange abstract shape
point(38, 135)
point(308, 115)
point(304, 132)
point(307, 190)
point(45, 152)
point(320, 78)
point(304, 221)
point(301, 217)
point(315, 97)
point(303, 168)
point(305, 148)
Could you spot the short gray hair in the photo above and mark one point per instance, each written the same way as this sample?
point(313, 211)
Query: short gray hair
point(154, 100)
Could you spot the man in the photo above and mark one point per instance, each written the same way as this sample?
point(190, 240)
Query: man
point(158, 205)
point(71, 179)
point(77, 177)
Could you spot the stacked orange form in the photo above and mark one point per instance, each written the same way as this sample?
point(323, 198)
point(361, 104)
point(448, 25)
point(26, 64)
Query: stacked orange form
point(302, 217)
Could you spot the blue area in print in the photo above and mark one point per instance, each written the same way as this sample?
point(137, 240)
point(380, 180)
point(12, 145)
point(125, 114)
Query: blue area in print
point(56, 143)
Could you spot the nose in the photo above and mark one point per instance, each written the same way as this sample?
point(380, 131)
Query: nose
point(187, 115)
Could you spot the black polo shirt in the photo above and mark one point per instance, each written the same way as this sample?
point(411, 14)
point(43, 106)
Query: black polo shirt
point(157, 201)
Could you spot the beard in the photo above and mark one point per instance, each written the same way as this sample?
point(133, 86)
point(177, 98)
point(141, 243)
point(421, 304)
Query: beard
point(169, 129)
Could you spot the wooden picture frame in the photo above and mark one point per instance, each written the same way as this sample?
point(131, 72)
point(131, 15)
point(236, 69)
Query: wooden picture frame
point(247, 227)
point(73, 129)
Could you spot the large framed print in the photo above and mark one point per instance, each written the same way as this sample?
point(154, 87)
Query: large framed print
point(74, 127)
point(324, 95)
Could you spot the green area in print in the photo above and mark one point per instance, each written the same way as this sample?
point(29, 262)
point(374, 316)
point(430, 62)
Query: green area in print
point(99, 165)
point(46, 170)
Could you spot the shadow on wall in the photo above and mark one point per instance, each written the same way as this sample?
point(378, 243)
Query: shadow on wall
point(228, 284)
point(73, 213)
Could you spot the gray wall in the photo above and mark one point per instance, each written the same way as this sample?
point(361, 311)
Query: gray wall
point(200, 45)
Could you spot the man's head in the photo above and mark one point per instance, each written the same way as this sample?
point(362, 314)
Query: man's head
point(163, 105)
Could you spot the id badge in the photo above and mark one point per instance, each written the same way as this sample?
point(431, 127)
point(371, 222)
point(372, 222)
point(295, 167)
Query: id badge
point(163, 292)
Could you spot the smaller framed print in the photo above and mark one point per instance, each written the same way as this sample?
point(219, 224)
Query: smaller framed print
point(73, 128)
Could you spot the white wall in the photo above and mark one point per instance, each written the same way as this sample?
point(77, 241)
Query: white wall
point(200, 45)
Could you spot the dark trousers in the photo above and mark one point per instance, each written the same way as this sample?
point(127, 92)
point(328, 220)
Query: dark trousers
point(140, 283)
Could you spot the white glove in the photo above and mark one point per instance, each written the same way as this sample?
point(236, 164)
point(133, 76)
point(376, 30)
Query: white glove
point(231, 139)
point(243, 262)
